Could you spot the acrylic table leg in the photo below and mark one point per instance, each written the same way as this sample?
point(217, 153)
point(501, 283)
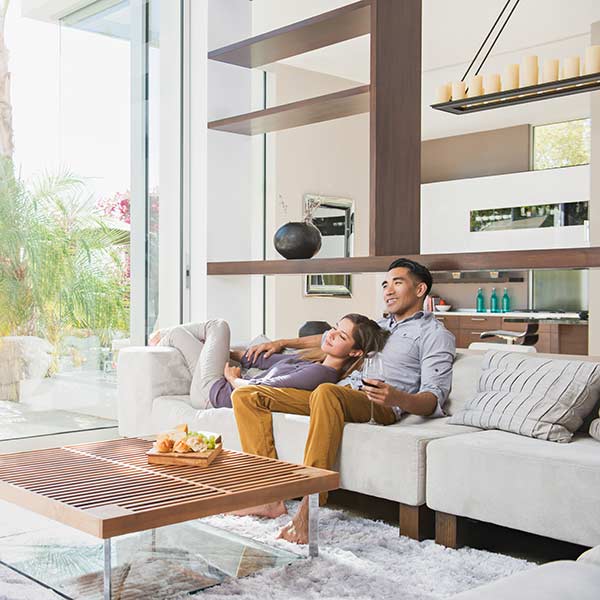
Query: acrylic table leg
point(107, 569)
point(313, 525)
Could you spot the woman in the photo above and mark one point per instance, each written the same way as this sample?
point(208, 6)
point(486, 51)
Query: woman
point(205, 347)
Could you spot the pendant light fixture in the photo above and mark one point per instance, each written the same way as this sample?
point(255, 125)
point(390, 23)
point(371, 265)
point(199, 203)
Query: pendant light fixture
point(518, 85)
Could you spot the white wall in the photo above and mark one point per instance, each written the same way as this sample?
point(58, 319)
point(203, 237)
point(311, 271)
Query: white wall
point(445, 208)
point(232, 214)
point(330, 159)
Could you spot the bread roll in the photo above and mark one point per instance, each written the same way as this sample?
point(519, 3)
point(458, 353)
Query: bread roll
point(181, 446)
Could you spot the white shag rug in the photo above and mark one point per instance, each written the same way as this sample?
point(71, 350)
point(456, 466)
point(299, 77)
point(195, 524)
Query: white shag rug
point(359, 558)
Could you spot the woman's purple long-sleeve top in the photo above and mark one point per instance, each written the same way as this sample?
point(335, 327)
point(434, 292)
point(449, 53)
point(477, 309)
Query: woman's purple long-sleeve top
point(282, 371)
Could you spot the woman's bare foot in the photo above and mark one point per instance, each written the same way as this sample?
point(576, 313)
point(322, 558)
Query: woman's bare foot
point(296, 531)
point(270, 511)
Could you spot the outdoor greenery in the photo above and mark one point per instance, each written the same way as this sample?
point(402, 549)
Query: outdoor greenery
point(61, 265)
point(562, 144)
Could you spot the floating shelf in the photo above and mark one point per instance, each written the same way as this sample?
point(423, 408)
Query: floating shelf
point(532, 93)
point(316, 32)
point(305, 112)
point(561, 258)
point(488, 280)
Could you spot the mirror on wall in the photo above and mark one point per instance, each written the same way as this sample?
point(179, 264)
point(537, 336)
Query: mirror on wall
point(334, 218)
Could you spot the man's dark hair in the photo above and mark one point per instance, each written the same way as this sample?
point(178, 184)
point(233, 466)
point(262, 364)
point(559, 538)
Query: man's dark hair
point(418, 271)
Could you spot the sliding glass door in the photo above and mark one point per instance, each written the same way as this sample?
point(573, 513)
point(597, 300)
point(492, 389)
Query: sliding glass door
point(100, 225)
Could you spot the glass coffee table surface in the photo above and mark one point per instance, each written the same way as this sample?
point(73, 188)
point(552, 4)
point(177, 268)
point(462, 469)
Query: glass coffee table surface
point(187, 557)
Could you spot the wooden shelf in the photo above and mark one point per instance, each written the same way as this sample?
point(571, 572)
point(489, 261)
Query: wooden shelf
point(316, 32)
point(349, 102)
point(567, 258)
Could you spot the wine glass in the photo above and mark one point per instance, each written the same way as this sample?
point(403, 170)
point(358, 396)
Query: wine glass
point(373, 369)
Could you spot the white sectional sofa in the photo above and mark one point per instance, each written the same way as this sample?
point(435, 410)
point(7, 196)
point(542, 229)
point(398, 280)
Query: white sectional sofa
point(543, 487)
point(386, 462)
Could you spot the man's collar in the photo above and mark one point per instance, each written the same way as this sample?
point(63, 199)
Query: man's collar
point(418, 315)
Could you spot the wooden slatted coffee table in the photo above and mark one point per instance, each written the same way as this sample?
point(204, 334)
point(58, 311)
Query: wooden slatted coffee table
point(107, 488)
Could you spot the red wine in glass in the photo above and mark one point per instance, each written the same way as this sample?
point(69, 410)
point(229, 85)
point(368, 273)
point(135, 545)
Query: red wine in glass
point(373, 369)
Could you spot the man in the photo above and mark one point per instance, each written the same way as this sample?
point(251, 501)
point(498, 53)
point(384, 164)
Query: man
point(417, 357)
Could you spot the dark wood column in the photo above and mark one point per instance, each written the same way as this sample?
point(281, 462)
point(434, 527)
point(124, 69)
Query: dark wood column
point(395, 138)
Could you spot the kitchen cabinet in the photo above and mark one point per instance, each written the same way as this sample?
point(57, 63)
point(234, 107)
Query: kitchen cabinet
point(553, 337)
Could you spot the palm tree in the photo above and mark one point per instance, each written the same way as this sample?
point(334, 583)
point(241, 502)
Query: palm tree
point(60, 265)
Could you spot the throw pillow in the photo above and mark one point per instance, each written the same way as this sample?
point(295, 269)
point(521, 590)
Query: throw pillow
point(537, 397)
point(595, 429)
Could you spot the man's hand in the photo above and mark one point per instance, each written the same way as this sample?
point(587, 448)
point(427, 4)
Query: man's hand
point(268, 348)
point(231, 373)
point(380, 393)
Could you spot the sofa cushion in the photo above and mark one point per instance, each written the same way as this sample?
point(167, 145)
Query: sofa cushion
point(537, 397)
point(562, 580)
point(387, 462)
point(519, 482)
point(465, 373)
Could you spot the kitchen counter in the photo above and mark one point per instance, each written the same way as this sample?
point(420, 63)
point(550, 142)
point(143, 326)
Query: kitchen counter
point(562, 333)
point(548, 317)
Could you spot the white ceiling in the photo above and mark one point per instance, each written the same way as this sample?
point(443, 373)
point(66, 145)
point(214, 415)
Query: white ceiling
point(452, 33)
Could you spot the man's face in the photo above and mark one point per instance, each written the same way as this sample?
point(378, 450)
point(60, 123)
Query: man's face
point(401, 292)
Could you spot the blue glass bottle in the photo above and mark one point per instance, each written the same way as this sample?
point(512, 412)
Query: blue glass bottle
point(494, 302)
point(505, 301)
point(480, 301)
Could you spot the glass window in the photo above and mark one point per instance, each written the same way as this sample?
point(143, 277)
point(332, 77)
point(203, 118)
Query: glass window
point(564, 144)
point(530, 217)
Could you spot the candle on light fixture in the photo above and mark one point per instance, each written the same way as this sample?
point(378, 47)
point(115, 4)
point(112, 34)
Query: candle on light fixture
point(529, 71)
point(475, 87)
point(458, 90)
point(592, 60)
point(444, 93)
point(491, 83)
point(571, 67)
point(550, 70)
point(510, 77)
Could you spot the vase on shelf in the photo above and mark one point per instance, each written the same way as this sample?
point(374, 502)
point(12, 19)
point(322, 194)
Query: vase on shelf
point(297, 239)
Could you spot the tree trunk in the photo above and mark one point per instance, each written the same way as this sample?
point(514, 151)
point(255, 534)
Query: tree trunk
point(6, 126)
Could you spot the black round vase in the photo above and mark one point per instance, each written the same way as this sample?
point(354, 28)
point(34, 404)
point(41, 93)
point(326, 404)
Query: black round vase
point(297, 240)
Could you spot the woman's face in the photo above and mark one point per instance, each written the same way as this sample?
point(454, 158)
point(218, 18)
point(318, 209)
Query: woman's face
point(339, 341)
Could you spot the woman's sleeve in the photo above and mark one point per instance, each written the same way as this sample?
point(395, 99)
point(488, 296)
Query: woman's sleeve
point(264, 363)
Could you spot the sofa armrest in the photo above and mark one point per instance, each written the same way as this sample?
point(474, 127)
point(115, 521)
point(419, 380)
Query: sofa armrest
point(143, 374)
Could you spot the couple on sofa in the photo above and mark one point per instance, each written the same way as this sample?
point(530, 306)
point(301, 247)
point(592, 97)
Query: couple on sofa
point(323, 379)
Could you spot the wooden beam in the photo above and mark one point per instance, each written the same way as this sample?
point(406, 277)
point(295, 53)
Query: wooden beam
point(417, 522)
point(567, 258)
point(395, 136)
point(305, 112)
point(332, 27)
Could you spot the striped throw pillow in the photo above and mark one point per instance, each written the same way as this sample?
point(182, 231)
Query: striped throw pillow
point(537, 397)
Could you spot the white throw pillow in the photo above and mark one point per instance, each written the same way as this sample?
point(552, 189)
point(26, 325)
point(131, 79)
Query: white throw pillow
point(538, 397)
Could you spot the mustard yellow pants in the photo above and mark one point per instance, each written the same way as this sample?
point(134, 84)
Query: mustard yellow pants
point(329, 406)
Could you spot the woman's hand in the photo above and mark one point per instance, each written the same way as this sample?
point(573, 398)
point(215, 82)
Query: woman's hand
point(232, 373)
point(268, 348)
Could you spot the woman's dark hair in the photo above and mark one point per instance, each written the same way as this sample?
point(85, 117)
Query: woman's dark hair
point(418, 271)
point(368, 337)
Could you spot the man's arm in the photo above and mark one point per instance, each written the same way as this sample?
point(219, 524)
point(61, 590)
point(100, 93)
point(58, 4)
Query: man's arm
point(422, 403)
point(278, 345)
